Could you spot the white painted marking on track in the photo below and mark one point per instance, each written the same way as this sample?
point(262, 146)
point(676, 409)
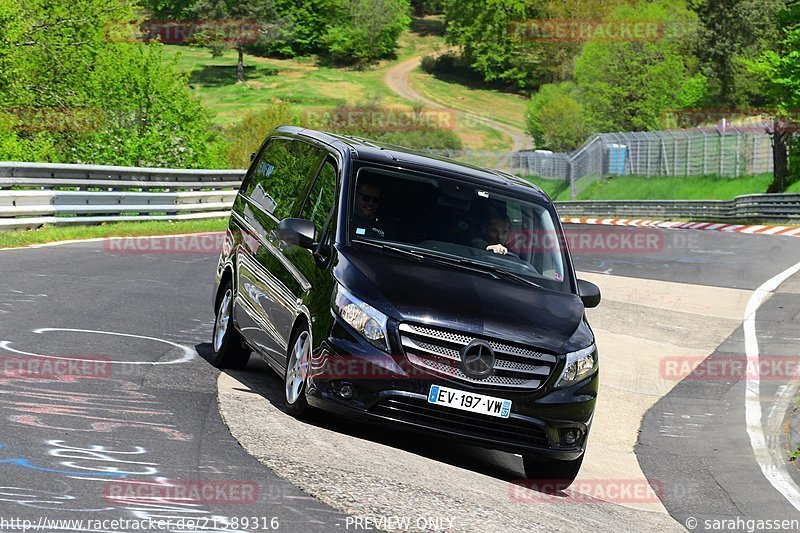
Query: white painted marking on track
point(188, 353)
point(752, 229)
point(775, 229)
point(774, 471)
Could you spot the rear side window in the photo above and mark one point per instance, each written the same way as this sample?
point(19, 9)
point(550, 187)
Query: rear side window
point(281, 175)
point(321, 198)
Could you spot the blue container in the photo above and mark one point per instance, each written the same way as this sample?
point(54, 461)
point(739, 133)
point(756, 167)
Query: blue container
point(616, 159)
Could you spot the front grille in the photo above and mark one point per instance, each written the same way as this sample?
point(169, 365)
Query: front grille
point(506, 430)
point(438, 351)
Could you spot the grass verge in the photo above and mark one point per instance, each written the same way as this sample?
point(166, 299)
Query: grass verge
point(13, 239)
point(671, 188)
point(553, 188)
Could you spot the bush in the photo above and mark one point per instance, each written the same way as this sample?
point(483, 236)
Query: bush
point(150, 118)
point(366, 30)
point(246, 137)
point(629, 86)
point(419, 140)
point(555, 118)
point(372, 120)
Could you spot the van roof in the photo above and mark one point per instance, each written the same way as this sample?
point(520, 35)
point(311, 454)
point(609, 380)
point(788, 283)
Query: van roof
point(382, 153)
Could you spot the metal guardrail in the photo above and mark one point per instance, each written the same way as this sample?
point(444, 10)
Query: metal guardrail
point(767, 207)
point(33, 194)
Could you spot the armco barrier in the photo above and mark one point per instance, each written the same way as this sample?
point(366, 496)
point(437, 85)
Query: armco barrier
point(766, 207)
point(33, 194)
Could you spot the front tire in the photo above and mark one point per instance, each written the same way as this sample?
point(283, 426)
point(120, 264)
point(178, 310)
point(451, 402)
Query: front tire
point(229, 350)
point(296, 376)
point(561, 473)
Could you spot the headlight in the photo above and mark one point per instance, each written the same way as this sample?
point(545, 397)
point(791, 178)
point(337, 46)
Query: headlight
point(579, 366)
point(362, 317)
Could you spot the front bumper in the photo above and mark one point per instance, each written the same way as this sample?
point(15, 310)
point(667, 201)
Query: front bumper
point(386, 389)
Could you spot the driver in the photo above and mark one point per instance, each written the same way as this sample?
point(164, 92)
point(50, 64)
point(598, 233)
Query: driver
point(365, 221)
point(494, 234)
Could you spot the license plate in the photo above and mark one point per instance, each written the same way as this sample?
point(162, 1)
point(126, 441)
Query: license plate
point(469, 401)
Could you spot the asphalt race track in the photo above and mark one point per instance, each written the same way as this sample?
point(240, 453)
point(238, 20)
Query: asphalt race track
point(146, 413)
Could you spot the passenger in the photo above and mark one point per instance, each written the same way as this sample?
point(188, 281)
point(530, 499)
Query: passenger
point(452, 226)
point(365, 221)
point(495, 230)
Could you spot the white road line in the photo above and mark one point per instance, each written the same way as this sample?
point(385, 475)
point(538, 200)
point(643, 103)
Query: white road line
point(774, 471)
point(188, 353)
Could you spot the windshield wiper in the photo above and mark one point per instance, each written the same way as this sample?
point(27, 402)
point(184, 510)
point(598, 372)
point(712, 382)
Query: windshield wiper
point(388, 247)
point(517, 277)
point(484, 269)
point(461, 263)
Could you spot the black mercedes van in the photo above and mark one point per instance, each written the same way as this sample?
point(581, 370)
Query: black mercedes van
point(404, 289)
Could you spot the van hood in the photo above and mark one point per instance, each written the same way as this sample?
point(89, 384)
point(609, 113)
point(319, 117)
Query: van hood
point(448, 297)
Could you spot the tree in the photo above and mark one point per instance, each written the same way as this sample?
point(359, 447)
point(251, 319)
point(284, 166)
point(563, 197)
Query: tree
point(232, 24)
point(70, 94)
point(781, 71)
point(730, 31)
point(426, 7)
point(493, 37)
point(555, 118)
point(631, 85)
point(149, 116)
point(305, 23)
point(169, 9)
point(481, 29)
point(366, 30)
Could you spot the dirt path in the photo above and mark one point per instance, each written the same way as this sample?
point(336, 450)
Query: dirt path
point(397, 80)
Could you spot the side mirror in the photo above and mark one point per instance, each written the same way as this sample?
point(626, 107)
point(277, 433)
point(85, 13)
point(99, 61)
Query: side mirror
point(589, 293)
point(297, 231)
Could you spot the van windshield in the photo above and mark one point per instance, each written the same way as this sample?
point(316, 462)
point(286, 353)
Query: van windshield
point(469, 225)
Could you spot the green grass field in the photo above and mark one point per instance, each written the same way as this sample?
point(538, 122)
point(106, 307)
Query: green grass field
point(503, 107)
point(672, 188)
point(307, 86)
point(300, 82)
point(13, 239)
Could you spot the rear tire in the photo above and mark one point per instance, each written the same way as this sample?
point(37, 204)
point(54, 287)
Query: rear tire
point(295, 378)
point(229, 350)
point(551, 472)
